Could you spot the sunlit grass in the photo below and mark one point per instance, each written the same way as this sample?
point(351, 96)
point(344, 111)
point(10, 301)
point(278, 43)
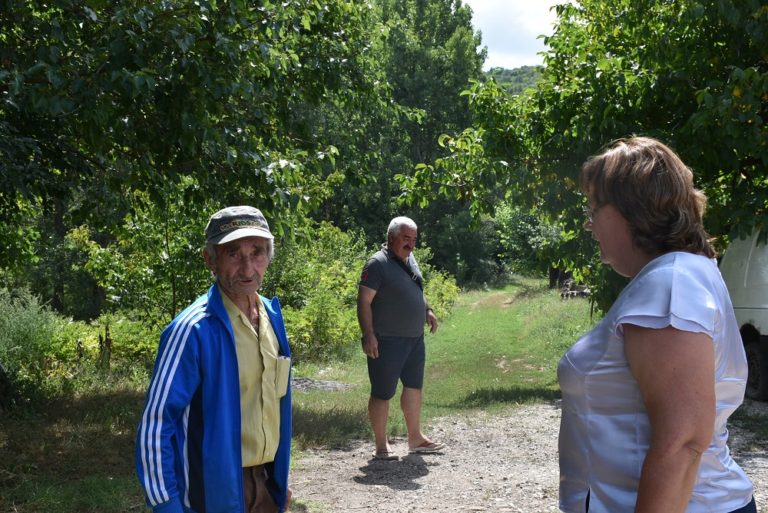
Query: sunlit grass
point(499, 347)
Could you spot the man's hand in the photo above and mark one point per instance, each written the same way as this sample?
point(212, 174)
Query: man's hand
point(371, 346)
point(432, 321)
point(365, 318)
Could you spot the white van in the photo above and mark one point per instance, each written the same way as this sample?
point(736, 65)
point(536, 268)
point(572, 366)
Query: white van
point(744, 267)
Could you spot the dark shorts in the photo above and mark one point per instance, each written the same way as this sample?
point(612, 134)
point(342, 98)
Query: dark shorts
point(399, 358)
point(749, 508)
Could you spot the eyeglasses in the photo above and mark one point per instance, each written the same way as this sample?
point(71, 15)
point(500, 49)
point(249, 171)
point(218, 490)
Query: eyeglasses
point(590, 212)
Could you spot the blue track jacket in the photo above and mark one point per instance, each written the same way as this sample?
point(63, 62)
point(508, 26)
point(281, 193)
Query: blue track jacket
point(188, 448)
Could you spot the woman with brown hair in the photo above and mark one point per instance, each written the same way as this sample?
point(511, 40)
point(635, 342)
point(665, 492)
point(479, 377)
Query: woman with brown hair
point(648, 391)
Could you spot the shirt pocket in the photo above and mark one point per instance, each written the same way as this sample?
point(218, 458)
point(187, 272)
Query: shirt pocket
point(282, 374)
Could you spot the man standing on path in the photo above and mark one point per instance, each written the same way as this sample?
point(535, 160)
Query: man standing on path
point(392, 311)
point(215, 434)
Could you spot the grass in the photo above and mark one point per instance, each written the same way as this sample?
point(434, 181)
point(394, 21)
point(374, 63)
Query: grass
point(76, 454)
point(499, 347)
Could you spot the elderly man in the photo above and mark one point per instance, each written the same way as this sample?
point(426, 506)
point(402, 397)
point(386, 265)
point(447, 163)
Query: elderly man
point(392, 311)
point(215, 435)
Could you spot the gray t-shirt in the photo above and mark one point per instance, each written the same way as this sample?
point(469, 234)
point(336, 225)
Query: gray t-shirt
point(399, 308)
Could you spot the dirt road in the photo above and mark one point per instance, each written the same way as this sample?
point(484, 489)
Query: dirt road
point(493, 463)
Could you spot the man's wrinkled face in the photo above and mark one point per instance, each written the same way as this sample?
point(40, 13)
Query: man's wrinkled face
point(403, 243)
point(240, 265)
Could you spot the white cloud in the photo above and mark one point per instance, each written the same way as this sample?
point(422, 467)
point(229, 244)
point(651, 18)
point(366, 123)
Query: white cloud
point(510, 29)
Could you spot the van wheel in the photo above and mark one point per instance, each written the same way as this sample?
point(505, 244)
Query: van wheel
point(757, 381)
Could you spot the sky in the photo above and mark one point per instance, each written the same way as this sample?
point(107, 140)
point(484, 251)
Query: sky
point(510, 29)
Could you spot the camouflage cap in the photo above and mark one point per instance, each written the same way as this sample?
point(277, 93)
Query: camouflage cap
point(234, 223)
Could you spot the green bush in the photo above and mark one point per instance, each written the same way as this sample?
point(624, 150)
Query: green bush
point(323, 329)
point(44, 355)
point(26, 329)
point(440, 287)
point(466, 250)
point(316, 280)
point(72, 340)
point(530, 243)
point(131, 342)
point(134, 342)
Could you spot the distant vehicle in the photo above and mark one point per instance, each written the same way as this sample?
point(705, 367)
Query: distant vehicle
point(744, 267)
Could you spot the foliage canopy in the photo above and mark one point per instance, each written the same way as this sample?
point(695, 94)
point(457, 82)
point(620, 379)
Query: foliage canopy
point(693, 73)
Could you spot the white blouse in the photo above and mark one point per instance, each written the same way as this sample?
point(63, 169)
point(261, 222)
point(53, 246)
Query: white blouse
point(605, 431)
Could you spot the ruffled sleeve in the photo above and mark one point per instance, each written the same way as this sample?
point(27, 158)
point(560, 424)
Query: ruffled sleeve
point(669, 296)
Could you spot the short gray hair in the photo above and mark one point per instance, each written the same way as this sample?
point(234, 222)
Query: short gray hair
point(397, 223)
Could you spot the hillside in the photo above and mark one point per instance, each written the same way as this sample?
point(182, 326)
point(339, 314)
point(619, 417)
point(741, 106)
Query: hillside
point(515, 80)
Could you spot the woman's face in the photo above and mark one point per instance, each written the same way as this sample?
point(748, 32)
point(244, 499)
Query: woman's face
point(613, 233)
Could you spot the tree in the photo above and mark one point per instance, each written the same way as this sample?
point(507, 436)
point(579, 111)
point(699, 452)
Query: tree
point(428, 52)
point(106, 99)
point(431, 55)
point(693, 73)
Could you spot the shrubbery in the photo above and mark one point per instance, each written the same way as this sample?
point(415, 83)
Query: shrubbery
point(529, 243)
point(467, 250)
point(316, 282)
point(440, 288)
point(45, 355)
point(26, 330)
point(134, 342)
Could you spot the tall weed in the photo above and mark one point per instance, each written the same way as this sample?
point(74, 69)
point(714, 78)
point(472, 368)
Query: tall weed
point(26, 329)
